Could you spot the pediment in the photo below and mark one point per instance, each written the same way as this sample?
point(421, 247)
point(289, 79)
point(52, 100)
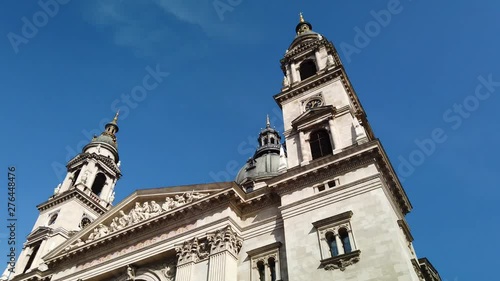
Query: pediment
point(313, 114)
point(141, 206)
point(39, 232)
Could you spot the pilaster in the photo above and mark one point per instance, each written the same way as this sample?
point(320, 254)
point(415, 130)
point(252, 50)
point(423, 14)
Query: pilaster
point(225, 245)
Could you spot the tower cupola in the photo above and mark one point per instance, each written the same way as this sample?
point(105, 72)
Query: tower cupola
point(268, 161)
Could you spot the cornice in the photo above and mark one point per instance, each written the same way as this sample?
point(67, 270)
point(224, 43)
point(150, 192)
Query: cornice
point(296, 89)
point(338, 164)
point(108, 162)
point(72, 193)
point(305, 48)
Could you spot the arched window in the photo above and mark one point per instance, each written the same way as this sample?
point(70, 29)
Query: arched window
point(75, 176)
point(265, 141)
point(272, 140)
point(98, 184)
point(52, 219)
point(320, 144)
point(332, 244)
point(307, 69)
point(272, 268)
point(262, 271)
point(344, 237)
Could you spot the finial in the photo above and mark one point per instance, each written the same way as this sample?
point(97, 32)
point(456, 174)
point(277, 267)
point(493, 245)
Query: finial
point(268, 123)
point(115, 119)
point(301, 17)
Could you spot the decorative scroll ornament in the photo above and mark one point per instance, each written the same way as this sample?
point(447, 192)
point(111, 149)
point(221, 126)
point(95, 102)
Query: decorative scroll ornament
point(192, 251)
point(341, 262)
point(130, 273)
point(137, 214)
point(225, 240)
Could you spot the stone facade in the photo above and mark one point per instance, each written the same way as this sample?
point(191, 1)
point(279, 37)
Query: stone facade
point(334, 210)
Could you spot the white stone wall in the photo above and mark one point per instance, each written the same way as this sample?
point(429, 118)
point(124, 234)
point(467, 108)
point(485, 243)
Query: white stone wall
point(341, 127)
point(374, 227)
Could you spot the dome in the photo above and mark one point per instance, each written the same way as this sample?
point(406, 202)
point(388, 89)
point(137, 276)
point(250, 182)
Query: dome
point(104, 138)
point(260, 168)
point(269, 159)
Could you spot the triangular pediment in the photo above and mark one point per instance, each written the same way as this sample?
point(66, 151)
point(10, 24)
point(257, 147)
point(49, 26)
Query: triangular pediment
point(39, 232)
point(141, 206)
point(313, 114)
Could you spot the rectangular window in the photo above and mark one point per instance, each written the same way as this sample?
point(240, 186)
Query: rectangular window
point(336, 242)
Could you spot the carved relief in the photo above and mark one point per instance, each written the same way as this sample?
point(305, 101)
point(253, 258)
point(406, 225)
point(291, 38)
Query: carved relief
point(192, 251)
point(225, 239)
point(341, 263)
point(139, 213)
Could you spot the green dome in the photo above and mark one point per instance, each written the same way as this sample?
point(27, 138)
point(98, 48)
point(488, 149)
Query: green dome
point(106, 139)
point(260, 168)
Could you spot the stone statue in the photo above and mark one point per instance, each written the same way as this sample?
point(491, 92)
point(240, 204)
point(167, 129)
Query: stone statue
point(169, 272)
point(111, 197)
point(103, 230)
point(179, 200)
point(124, 220)
point(57, 189)
point(146, 210)
point(114, 225)
point(94, 235)
point(197, 195)
point(329, 60)
point(169, 204)
point(136, 214)
point(155, 208)
point(85, 177)
point(286, 82)
point(130, 273)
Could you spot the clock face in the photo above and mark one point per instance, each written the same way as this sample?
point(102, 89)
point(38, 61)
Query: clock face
point(313, 103)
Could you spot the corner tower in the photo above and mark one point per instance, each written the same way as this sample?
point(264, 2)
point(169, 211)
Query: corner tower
point(86, 193)
point(322, 114)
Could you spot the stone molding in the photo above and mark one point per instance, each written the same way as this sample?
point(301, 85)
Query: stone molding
point(193, 250)
point(138, 213)
point(225, 239)
point(73, 193)
point(341, 262)
point(418, 271)
point(337, 164)
point(109, 163)
point(406, 230)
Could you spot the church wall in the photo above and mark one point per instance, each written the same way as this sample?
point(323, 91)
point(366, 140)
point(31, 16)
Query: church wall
point(374, 226)
point(333, 93)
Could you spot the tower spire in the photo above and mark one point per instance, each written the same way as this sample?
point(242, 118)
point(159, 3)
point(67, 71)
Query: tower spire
point(301, 17)
point(115, 119)
point(268, 123)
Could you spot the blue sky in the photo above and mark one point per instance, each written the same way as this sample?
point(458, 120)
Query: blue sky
point(416, 76)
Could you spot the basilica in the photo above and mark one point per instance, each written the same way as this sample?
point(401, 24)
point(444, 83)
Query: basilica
point(321, 201)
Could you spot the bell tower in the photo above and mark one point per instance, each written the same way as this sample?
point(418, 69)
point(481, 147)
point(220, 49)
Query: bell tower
point(321, 111)
point(86, 193)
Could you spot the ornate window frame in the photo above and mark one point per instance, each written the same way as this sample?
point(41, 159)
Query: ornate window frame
point(332, 226)
point(317, 96)
point(264, 254)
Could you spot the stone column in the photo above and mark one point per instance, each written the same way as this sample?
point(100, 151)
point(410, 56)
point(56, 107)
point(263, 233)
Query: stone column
point(340, 246)
point(317, 56)
point(303, 149)
point(331, 125)
point(224, 248)
point(293, 71)
point(183, 272)
point(351, 240)
point(188, 256)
